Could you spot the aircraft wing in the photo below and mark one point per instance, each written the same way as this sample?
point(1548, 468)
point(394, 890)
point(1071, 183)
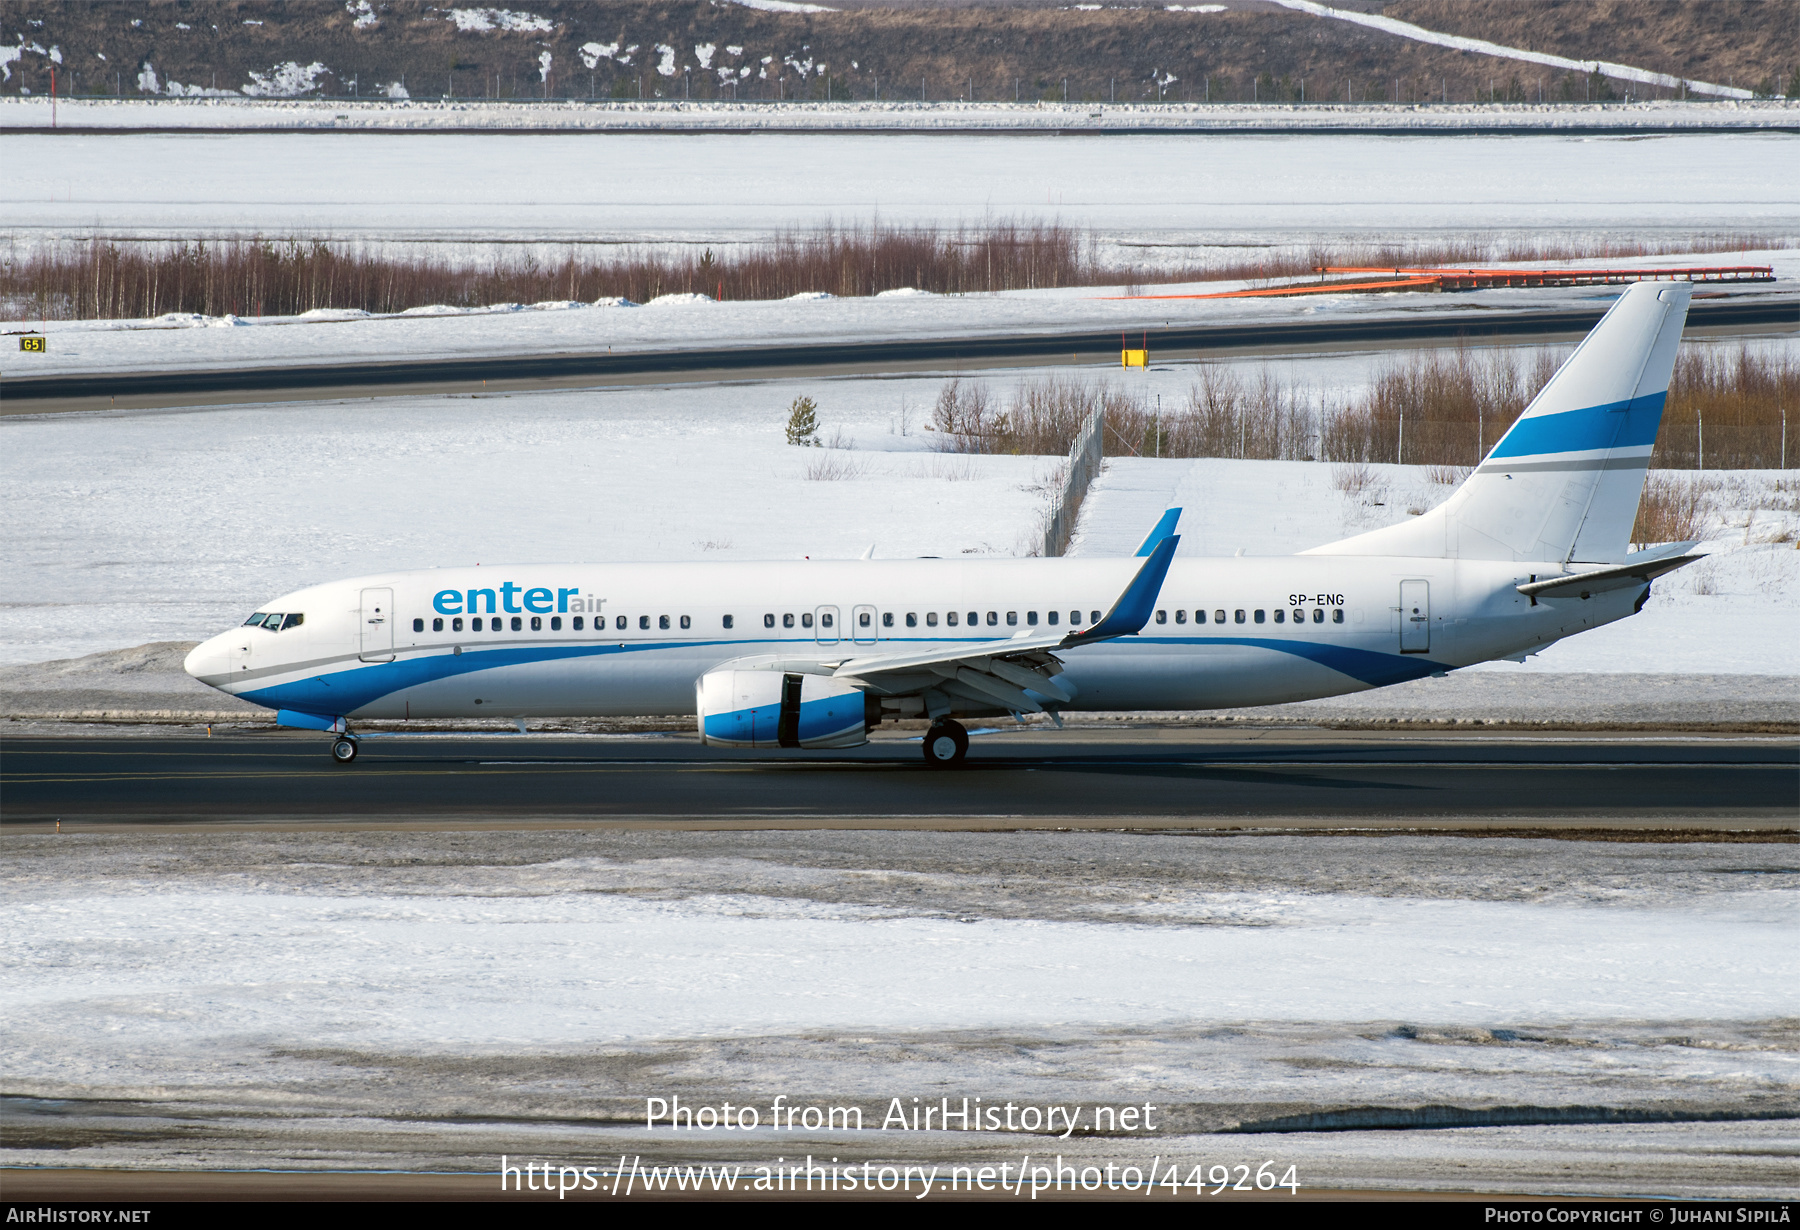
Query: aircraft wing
point(1001, 672)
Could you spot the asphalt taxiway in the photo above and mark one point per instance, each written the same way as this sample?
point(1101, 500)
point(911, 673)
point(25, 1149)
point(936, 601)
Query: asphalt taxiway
point(1157, 777)
point(1731, 316)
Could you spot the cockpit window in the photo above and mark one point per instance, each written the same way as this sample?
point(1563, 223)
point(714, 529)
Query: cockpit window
point(292, 621)
point(256, 619)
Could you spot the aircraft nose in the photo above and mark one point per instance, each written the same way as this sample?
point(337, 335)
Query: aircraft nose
point(206, 661)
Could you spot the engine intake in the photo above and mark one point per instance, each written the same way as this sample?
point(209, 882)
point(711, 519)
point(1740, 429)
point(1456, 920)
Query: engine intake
point(751, 708)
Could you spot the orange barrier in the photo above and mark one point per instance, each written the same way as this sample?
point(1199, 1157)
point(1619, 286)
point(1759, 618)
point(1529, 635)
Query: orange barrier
point(1473, 279)
point(1305, 288)
point(1476, 279)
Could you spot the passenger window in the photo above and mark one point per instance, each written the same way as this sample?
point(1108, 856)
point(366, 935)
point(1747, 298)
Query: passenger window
point(418, 625)
point(1238, 616)
point(862, 620)
point(556, 623)
point(292, 621)
point(255, 621)
point(475, 624)
point(577, 623)
point(1259, 617)
point(994, 618)
point(437, 625)
point(1074, 619)
point(1162, 617)
point(1094, 618)
point(912, 619)
point(1012, 618)
point(728, 622)
point(1199, 617)
point(456, 624)
point(1219, 617)
point(806, 620)
point(1052, 617)
point(887, 619)
point(931, 619)
point(1180, 617)
point(950, 618)
point(537, 623)
point(1281, 616)
point(686, 623)
point(1031, 618)
point(974, 618)
point(1337, 616)
point(644, 623)
point(787, 621)
point(768, 621)
point(518, 625)
point(825, 620)
point(619, 623)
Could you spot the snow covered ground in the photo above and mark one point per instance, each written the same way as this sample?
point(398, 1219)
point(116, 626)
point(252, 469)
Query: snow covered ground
point(1147, 192)
point(336, 980)
point(121, 529)
point(424, 115)
point(682, 322)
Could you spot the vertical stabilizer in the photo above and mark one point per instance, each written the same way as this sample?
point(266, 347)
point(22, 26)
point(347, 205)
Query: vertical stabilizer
point(1563, 484)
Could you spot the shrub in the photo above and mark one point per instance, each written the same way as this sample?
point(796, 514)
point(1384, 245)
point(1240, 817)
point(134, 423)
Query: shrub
point(803, 423)
point(1673, 508)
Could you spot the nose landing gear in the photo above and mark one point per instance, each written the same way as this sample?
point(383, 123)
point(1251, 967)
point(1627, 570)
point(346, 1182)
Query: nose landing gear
point(343, 749)
point(946, 744)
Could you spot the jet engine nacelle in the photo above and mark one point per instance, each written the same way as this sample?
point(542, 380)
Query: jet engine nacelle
point(752, 708)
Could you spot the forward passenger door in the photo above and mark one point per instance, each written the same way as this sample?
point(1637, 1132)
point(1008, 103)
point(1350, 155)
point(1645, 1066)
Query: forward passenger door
point(377, 624)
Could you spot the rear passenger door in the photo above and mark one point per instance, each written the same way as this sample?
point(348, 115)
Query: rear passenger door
point(1415, 616)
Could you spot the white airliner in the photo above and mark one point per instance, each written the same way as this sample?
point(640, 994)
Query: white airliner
point(1532, 547)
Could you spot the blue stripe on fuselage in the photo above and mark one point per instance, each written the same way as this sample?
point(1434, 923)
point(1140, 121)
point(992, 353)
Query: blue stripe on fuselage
point(1621, 424)
point(1365, 665)
point(346, 691)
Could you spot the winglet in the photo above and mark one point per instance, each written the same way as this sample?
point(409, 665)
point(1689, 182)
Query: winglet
point(1132, 611)
point(1163, 529)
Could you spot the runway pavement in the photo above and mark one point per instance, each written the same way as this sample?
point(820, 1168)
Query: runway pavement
point(496, 372)
point(1155, 777)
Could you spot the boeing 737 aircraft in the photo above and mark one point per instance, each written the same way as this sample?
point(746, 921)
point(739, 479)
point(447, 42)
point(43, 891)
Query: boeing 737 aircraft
point(1531, 548)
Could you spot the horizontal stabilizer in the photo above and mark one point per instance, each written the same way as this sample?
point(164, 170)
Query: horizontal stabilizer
point(1601, 580)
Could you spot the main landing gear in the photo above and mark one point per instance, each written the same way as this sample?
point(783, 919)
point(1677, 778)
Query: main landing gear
point(946, 744)
point(343, 749)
